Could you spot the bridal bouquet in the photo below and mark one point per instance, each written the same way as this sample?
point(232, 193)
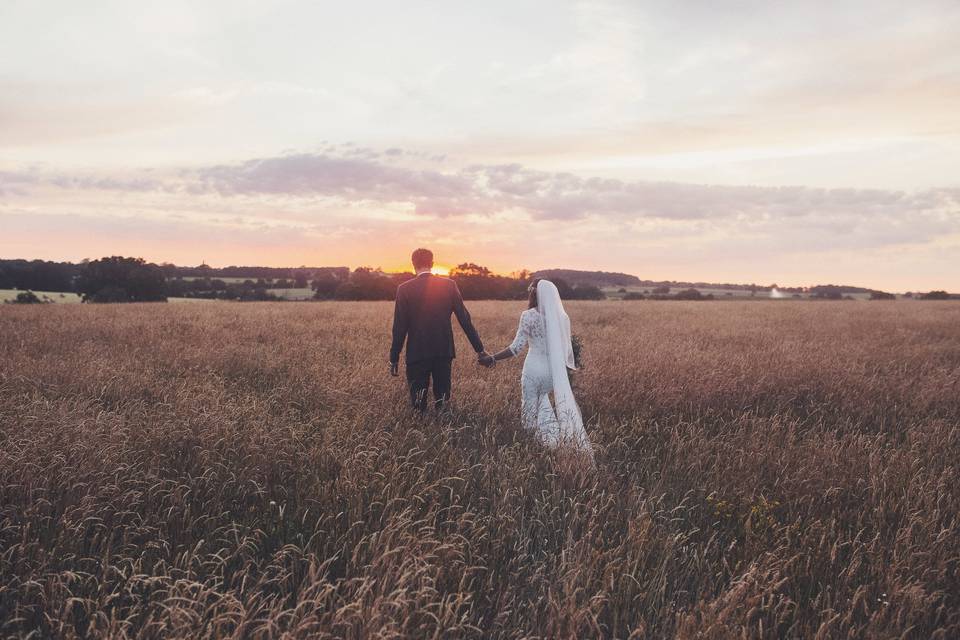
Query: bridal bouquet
point(577, 351)
point(577, 344)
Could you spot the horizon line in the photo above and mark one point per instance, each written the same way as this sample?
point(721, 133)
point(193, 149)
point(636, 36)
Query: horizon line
point(401, 270)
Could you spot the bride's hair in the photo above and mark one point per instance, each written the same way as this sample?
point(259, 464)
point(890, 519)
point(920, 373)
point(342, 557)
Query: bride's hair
point(532, 298)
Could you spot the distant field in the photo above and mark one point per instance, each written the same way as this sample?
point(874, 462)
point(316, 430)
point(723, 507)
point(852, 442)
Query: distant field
point(190, 300)
point(59, 297)
point(251, 471)
point(49, 296)
point(293, 294)
point(228, 280)
point(615, 293)
point(739, 294)
point(233, 280)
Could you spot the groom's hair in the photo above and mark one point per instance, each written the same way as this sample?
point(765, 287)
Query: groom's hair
point(422, 259)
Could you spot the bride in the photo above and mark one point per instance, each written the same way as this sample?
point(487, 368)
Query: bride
point(545, 328)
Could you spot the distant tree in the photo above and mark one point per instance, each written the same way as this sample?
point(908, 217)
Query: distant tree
point(935, 295)
point(598, 278)
point(882, 295)
point(587, 292)
point(565, 290)
point(27, 297)
point(348, 291)
point(477, 282)
point(522, 274)
point(119, 279)
point(108, 293)
point(251, 294)
point(367, 284)
point(300, 280)
point(400, 278)
point(633, 295)
point(661, 291)
point(689, 294)
point(325, 286)
point(826, 292)
point(470, 269)
point(37, 275)
point(835, 292)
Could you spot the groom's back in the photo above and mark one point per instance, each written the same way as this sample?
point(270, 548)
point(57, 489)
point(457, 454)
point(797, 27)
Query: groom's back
point(424, 306)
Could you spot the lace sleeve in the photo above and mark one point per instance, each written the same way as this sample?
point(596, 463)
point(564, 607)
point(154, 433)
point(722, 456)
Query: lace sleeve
point(520, 341)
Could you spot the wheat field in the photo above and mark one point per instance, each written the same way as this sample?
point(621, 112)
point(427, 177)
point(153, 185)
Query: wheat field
point(225, 470)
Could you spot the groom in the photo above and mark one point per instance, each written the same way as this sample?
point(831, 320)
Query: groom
point(422, 318)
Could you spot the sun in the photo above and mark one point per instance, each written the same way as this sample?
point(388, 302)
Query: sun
point(439, 270)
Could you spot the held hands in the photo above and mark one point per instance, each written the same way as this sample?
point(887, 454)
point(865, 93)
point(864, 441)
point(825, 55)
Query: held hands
point(484, 359)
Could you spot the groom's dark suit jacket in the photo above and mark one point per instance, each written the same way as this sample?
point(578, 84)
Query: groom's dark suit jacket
point(422, 318)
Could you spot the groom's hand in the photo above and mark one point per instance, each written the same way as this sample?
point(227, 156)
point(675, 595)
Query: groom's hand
point(484, 359)
point(394, 369)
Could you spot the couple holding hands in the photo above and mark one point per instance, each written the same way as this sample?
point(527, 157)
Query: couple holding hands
point(421, 319)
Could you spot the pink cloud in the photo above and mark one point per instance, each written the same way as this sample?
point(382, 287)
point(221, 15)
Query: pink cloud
point(359, 176)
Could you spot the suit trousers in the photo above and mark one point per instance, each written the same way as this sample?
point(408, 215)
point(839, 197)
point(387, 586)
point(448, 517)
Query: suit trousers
point(419, 376)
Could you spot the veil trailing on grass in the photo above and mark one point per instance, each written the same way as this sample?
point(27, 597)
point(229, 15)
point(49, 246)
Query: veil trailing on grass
point(560, 356)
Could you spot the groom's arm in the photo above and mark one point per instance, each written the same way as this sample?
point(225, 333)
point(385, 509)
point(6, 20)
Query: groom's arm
point(463, 317)
point(400, 328)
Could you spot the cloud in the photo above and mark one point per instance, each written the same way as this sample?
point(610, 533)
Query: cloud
point(488, 190)
point(355, 175)
point(365, 181)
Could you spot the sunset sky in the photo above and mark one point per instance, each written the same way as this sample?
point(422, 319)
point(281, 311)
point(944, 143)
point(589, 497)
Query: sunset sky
point(791, 142)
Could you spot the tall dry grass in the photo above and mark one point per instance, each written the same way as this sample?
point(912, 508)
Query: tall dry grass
point(764, 470)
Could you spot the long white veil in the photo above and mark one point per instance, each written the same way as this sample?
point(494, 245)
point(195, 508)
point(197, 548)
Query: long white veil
point(560, 355)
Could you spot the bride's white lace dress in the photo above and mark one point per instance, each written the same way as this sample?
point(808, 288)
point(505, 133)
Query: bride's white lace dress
point(553, 426)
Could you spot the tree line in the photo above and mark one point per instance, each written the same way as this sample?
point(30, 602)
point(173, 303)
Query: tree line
point(123, 279)
point(475, 282)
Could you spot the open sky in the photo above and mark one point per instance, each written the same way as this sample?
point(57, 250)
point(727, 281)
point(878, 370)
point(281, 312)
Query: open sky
point(792, 142)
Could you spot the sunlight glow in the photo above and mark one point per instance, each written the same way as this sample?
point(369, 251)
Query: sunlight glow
point(440, 270)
